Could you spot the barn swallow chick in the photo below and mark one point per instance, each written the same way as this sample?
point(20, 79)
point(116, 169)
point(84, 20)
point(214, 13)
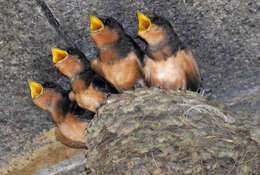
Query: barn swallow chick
point(69, 65)
point(168, 64)
point(119, 56)
point(90, 90)
point(53, 99)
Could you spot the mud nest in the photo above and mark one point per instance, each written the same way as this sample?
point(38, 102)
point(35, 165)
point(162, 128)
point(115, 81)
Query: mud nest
point(150, 131)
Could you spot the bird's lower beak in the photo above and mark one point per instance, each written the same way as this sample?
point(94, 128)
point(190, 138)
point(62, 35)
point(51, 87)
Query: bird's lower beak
point(95, 24)
point(144, 22)
point(58, 54)
point(36, 88)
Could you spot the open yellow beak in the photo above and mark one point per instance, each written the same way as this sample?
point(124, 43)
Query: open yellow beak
point(58, 54)
point(144, 22)
point(36, 88)
point(95, 24)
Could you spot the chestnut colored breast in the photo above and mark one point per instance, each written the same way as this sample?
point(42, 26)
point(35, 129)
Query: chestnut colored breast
point(70, 66)
point(87, 97)
point(73, 129)
point(123, 73)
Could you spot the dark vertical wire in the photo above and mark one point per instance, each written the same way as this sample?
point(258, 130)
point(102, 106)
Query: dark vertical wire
point(55, 23)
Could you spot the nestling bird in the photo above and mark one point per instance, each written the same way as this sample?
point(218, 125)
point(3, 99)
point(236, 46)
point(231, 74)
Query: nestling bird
point(168, 64)
point(120, 58)
point(90, 90)
point(52, 98)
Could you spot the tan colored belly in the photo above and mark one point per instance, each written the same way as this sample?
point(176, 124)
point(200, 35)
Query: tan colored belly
point(73, 129)
point(123, 74)
point(90, 98)
point(164, 74)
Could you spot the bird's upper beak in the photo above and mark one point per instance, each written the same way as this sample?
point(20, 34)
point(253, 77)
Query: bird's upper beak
point(95, 24)
point(144, 23)
point(58, 55)
point(36, 88)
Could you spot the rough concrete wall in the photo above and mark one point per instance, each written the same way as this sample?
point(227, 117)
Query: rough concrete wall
point(25, 40)
point(223, 35)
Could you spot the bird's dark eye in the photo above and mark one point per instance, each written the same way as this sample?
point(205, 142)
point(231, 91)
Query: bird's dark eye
point(108, 21)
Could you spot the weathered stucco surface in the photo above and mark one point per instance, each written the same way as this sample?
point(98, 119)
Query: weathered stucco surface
point(223, 35)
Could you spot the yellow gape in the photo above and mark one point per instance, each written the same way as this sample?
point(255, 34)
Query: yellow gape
point(58, 54)
point(144, 22)
point(95, 24)
point(36, 88)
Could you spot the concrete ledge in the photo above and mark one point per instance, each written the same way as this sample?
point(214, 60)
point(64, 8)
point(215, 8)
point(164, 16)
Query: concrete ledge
point(74, 165)
point(45, 155)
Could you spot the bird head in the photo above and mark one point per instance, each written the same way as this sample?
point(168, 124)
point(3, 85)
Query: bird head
point(68, 65)
point(153, 29)
point(105, 30)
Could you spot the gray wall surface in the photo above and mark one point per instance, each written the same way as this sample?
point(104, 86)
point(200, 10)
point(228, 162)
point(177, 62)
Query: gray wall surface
point(223, 35)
